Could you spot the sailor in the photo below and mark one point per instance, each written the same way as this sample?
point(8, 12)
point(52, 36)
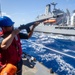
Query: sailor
point(10, 47)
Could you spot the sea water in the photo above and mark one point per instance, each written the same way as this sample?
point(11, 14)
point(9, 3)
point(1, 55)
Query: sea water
point(54, 51)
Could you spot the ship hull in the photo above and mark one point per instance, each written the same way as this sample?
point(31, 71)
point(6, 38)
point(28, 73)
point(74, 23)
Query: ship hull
point(55, 29)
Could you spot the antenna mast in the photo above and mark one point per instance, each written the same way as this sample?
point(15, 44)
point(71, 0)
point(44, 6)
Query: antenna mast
point(54, 4)
point(0, 9)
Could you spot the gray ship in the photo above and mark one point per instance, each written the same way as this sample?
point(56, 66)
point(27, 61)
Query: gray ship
point(59, 22)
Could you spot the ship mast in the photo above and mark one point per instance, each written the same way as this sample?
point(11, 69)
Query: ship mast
point(54, 4)
point(0, 9)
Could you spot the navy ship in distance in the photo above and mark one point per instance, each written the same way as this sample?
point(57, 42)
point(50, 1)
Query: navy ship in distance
point(59, 22)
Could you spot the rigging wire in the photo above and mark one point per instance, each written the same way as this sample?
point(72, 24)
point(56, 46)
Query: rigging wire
point(0, 9)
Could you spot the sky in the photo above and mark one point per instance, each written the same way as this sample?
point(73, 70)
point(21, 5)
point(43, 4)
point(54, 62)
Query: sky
point(25, 11)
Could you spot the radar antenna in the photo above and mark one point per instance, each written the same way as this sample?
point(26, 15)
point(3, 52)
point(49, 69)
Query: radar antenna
point(54, 4)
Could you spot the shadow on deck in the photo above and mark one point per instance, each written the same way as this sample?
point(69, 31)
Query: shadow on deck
point(28, 67)
point(35, 68)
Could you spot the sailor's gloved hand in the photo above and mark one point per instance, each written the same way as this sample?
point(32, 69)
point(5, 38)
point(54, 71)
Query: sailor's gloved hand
point(16, 31)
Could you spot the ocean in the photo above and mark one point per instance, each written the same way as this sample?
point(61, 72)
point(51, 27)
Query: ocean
point(53, 51)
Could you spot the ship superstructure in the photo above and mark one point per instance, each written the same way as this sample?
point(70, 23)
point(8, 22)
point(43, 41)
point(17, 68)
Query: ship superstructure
point(59, 22)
